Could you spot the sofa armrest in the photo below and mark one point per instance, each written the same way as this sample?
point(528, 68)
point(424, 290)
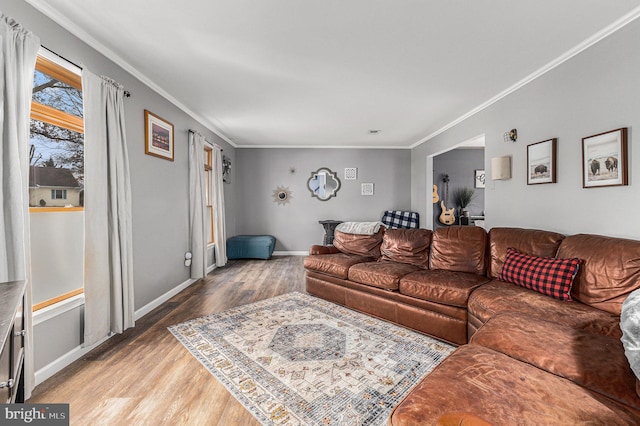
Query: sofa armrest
point(316, 249)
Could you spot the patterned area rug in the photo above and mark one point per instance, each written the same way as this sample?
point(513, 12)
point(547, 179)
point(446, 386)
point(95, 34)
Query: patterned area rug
point(299, 360)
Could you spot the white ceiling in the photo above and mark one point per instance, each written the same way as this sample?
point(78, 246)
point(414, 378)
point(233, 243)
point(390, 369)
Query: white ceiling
point(325, 72)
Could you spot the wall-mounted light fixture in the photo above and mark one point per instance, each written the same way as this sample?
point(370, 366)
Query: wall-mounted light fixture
point(501, 168)
point(510, 136)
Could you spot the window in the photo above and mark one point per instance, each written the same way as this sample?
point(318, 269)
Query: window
point(56, 179)
point(56, 156)
point(58, 194)
point(208, 170)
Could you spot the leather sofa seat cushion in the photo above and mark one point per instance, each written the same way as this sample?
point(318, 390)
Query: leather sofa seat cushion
point(529, 241)
point(498, 297)
point(503, 391)
point(381, 274)
point(611, 269)
point(336, 265)
point(406, 246)
point(459, 248)
point(593, 361)
point(440, 286)
point(361, 245)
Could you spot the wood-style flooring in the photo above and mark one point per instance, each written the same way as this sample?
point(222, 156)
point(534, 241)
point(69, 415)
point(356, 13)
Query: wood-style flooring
point(146, 377)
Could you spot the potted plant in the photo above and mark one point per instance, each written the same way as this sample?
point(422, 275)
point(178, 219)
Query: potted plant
point(462, 197)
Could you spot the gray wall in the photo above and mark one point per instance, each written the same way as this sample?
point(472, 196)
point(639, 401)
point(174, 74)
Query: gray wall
point(593, 92)
point(295, 225)
point(460, 164)
point(159, 187)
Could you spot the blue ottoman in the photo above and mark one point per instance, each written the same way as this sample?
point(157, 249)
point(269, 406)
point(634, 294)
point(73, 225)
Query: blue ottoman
point(250, 246)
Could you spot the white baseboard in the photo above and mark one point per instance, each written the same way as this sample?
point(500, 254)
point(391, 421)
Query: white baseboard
point(53, 367)
point(211, 268)
point(78, 352)
point(163, 298)
point(291, 253)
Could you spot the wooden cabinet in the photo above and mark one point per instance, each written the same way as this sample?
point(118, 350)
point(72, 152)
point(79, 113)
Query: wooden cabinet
point(12, 332)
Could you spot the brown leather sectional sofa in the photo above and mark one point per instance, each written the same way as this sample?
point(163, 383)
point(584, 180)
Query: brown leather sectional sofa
point(525, 358)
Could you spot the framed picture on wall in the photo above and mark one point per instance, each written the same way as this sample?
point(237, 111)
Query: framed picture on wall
point(541, 162)
point(158, 136)
point(604, 159)
point(479, 180)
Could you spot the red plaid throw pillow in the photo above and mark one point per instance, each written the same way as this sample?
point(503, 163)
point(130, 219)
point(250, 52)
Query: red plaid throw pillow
point(545, 275)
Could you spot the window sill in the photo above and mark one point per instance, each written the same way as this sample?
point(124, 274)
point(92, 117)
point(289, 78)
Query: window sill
point(57, 309)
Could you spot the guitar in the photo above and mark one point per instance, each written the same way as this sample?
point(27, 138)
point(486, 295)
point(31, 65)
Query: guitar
point(447, 217)
point(436, 198)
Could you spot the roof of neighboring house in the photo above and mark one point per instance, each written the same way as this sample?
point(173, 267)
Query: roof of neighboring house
point(52, 176)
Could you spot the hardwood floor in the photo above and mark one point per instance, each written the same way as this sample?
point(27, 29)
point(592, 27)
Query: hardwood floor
point(146, 377)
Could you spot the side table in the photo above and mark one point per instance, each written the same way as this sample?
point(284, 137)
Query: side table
point(329, 227)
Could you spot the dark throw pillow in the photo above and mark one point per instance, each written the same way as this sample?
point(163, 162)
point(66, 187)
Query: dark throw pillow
point(546, 275)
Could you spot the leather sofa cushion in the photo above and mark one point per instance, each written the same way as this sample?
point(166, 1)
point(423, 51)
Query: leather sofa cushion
point(406, 246)
point(498, 297)
point(440, 286)
point(459, 248)
point(336, 265)
point(503, 391)
point(530, 241)
point(362, 245)
point(611, 269)
point(593, 361)
point(381, 274)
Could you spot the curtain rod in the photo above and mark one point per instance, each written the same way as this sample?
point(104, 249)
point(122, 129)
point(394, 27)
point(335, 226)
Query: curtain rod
point(127, 94)
point(214, 144)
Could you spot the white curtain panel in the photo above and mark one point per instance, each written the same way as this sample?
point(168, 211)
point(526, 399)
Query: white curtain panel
point(198, 217)
point(108, 265)
point(219, 222)
point(17, 65)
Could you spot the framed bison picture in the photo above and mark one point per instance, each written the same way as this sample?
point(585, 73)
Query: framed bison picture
point(541, 162)
point(604, 159)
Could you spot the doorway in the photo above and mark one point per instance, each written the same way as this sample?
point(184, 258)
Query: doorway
point(457, 182)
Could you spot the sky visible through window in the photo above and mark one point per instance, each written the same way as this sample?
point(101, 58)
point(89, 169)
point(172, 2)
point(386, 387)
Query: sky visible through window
point(54, 145)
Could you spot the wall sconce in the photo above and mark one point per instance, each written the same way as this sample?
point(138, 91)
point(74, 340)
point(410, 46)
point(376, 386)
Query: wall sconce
point(510, 136)
point(501, 168)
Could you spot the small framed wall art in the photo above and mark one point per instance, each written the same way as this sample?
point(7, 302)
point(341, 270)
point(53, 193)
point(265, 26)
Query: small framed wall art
point(158, 136)
point(604, 159)
point(479, 180)
point(541, 162)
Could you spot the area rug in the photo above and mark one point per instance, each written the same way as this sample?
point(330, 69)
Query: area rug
point(299, 360)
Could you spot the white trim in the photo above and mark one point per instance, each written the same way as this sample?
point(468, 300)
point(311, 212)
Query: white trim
point(211, 268)
point(52, 311)
point(74, 29)
point(163, 298)
point(320, 147)
point(608, 30)
point(291, 253)
point(78, 352)
point(45, 53)
point(53, 367)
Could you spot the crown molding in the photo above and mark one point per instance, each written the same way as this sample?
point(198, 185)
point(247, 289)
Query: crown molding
point(87, 38)
point(318, 147)
point(605, 32)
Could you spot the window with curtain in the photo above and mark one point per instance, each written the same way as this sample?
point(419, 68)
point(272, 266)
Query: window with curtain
point(208, 170)
point(56, 182)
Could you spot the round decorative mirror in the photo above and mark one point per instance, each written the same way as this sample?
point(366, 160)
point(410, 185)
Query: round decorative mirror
point(323, 184)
